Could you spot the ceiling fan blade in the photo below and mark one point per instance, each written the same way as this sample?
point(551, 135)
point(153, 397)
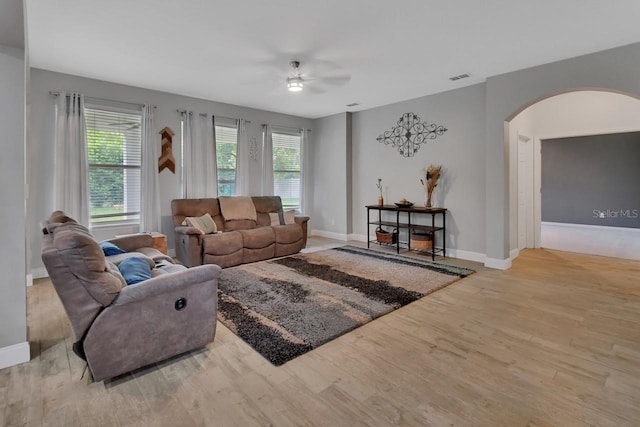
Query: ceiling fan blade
point(338, 80)
point(314, 89)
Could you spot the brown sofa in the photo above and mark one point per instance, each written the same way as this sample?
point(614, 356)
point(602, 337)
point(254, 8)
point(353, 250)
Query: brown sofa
point(241, 240)
point(119, 328)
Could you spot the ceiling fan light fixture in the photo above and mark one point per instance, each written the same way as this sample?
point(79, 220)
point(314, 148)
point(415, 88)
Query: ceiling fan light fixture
point(294, 84)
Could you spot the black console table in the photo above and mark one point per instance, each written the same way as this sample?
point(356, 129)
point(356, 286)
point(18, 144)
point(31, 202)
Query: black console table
point(432, 229)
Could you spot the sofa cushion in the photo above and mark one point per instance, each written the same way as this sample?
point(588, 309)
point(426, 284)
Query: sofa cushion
point(274, 217)
point(239, 224)
point(109, 248)
point(113, 270)
point(155, 255)
point(237, 207)
point(258, 244)
point(222, 243)
point(165, 267)
point(84, 258)
point(134, 270)
point(117, 259)
point(258, 237)
point(290, 216)
point(204, 223)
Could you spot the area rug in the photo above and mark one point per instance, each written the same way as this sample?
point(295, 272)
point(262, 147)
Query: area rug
point(288, 306)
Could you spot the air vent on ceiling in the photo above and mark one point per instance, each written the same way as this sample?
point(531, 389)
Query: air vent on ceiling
point(353, 104)
point(460, 76)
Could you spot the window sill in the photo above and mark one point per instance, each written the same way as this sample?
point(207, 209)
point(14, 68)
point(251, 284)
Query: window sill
point(109, 225)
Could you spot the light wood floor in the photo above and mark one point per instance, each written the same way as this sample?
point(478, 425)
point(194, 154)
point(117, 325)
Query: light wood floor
point(553, 341)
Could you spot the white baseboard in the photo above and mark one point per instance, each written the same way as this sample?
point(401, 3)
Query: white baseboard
point(453, 253)
point(357, 237)
point(14, 354)
point(39, 273)
point(498, 264)
point(615, 242)
point(514, 253)
point(468, 255)
point(29, 279)
point(329, 235)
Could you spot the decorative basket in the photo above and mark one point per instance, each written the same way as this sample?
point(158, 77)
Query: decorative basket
point(388, 237)
point(422, 241)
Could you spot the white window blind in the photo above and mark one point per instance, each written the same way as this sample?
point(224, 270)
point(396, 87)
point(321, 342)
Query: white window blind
point(286, 168)
point(226, 153)
point(114, 151)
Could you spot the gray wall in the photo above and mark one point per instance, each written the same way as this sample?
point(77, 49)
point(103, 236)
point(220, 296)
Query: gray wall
point(42, 126)
point(460, 150)
point(331, 183)
point(13, 318)
point(592, 180)
point(614, 69)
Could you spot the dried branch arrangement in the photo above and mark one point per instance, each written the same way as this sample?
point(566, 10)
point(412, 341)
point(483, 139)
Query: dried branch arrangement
point(433, 174)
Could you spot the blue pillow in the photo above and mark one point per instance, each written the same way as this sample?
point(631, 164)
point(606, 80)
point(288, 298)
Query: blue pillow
point(134, 270)
point(110, 249)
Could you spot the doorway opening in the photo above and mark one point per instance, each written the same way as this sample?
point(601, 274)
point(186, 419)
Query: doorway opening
point(569, 114)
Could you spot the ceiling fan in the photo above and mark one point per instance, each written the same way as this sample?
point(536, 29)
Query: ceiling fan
point(297, 80)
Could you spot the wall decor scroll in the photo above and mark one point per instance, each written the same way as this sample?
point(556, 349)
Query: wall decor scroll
point(409, 133)
point(166, 159)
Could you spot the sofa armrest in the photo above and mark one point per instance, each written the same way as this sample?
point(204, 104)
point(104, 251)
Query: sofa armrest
point(303, 220)
point(147, 324)
point(188, 244)
point(183, 229)
point(133, 241)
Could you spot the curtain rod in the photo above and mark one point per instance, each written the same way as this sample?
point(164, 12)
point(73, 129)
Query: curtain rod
point(54, 93)
point(206, 114)
point(286, 127)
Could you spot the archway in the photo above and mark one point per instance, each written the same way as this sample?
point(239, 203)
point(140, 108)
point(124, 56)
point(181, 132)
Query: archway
point(572, 113)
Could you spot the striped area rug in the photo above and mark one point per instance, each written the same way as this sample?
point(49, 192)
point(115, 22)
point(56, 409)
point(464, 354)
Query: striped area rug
point(288, 306)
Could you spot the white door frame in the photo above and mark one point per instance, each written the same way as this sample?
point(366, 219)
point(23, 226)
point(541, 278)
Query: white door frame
point(525, 191)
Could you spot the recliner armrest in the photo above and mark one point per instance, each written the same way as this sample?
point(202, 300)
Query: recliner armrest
point(187, 230)
point(166, 283)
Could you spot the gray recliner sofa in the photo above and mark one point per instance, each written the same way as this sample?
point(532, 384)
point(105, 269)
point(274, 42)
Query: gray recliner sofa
point(119, 328)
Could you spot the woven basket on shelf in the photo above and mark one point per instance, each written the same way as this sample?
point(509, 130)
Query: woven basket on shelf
point(422, 241)
point(388, 237)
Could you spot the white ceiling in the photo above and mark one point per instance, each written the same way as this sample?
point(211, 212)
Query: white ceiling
point(238, 51)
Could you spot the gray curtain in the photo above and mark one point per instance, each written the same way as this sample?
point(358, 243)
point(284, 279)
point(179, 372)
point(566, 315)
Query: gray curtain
point(71, 167)
point(267, 161)
point(242, 160)
point(150, 186)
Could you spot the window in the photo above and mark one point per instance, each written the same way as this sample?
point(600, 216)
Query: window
point(286, 168)
point(114, 151)
point(226, 149)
